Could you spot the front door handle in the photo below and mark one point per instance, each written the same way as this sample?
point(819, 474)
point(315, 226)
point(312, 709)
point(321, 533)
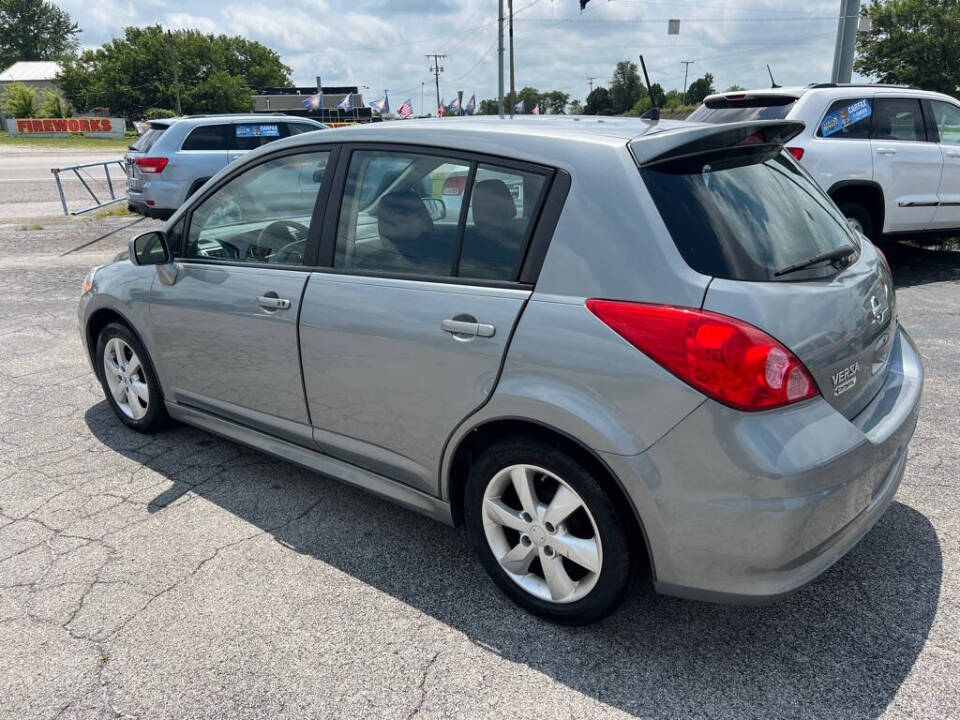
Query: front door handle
point(886, 151)
point(270, 301)
point(467, 328)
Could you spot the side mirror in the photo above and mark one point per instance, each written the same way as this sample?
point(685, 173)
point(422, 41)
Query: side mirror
point(436, 208)
point(150, 248)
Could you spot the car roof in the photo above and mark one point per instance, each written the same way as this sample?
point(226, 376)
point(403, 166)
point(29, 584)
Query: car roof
point(831, 89)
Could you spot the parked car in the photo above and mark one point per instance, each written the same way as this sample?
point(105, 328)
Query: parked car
point(889, 156)
point(614, 371)
point(173, 158)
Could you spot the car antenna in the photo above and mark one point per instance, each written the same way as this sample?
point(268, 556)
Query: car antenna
point(773, 83)
point(654, 112)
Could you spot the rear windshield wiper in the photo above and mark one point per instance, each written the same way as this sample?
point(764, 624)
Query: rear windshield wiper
point(831, 255)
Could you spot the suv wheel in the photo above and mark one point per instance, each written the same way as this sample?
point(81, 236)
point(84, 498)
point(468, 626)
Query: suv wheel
point(128, 380)
point(546, 532)
point(858, 217)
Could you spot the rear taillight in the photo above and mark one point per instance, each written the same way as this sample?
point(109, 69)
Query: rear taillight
point(455, 185)
point(722, 357)
point(797, 153)
point(151, 164)
point(883, 259)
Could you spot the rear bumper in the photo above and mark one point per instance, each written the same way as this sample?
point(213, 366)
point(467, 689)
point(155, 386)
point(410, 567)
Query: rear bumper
point(746, 507)
point(157, 195)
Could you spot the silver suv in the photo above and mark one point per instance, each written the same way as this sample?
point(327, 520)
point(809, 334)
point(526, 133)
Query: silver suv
point(173, 158)
point(669, 347)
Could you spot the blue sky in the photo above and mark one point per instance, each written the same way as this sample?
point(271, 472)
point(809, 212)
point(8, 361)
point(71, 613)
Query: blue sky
point(381, 43)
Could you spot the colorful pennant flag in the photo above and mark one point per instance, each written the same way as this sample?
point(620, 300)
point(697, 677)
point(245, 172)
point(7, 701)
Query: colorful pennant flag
point(347, 103)
point(536, 109)
point(455, 106)
point(518, 108)
point(313, 102)
point(471, 107)
point(382, 105)
point(440, 109)
point(405, 110)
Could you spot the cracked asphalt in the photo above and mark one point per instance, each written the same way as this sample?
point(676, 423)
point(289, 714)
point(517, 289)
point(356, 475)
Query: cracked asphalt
point(183, 576)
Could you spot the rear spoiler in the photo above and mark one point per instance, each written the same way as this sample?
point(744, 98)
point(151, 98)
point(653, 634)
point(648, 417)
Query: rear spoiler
point(748, 99)
point(697, 139)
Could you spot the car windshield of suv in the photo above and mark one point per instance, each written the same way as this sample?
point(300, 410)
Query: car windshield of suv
point(747, 214)
point(723, 110)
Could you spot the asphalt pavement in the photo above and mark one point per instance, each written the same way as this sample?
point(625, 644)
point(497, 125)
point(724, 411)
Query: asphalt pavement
point(28, 191)
point(184, 576)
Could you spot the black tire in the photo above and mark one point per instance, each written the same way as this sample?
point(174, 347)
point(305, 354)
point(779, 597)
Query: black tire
point(614, 576)
point(156, 417)
point(859, 214)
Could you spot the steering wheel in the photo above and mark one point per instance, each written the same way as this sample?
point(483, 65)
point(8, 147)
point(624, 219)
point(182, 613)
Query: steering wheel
point(286, 254)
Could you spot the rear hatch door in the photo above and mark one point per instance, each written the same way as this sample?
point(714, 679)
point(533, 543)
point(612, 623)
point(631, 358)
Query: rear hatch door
point(741, 210)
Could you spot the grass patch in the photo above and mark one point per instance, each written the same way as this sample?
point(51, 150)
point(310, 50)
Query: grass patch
point(35, 226)
point(118, 210)
point(74, 142)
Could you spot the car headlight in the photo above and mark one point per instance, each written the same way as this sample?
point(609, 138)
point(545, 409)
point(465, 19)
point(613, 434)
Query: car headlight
point(88, 280)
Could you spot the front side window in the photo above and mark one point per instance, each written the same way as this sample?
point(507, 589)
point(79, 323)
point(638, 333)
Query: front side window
point(948, 122)
point(847, 120)
point(898, 119)
point(419, 214)
point(261, 216)
point(746, 214)
point(208, 137)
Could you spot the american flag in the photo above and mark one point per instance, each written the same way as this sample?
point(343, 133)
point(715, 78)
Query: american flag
point(536, 109)
point(405, 110)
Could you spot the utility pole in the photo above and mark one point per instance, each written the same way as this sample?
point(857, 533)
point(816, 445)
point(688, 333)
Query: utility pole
point(173, 62)
point(459, 102)
point(421, 96)
point(436, 70)
point(513, 90)
point(500, 60)
point(686, 69)
point(847, 27)
point(590, 82)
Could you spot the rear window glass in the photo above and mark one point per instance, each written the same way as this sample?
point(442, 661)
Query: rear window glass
point(847, 120)
point(745, 214)
point(249, 136)
point(773, 107)
point(148, 139)
point(208, 137)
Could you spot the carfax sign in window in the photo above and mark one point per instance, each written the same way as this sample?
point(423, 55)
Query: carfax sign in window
point(258, 131)
point(844, 117)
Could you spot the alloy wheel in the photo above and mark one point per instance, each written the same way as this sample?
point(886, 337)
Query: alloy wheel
point(542, 533)
point(126, 379)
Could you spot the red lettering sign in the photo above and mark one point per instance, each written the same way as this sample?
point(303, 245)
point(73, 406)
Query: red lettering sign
point(47, 125)
point(60, 125)
point(36, 125)
point(106, 125)
point(23, 126)
point(73, 125)
point(84, 124)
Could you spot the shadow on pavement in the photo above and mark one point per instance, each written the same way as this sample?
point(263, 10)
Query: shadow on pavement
point(840, 647)
point(912, 265)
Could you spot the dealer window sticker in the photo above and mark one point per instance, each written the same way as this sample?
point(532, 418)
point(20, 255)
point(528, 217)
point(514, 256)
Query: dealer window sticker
point(845, 117)
point(258, 131)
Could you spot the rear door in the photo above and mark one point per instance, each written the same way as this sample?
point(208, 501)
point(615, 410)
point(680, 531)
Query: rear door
point(906, 166)
point(226, 328)
point(403, 335)
point(944, 120)
point(750, 218)
point(247, 136)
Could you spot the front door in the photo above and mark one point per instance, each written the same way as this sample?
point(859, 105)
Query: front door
point(405, 335)
point(225, 330)
point(905, 165)
point(947, 119)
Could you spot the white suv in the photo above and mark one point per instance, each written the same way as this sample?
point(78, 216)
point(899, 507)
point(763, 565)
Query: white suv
point(889, 156)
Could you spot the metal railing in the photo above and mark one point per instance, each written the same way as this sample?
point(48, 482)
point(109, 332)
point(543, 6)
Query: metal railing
point(76, 169)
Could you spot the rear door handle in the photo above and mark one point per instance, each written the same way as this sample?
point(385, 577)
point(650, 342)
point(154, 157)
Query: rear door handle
point(886, 151)
point(464, 328)
point(273, 302)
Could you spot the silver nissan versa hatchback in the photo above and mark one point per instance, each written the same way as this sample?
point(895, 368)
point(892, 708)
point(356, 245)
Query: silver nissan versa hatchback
point(632, 343)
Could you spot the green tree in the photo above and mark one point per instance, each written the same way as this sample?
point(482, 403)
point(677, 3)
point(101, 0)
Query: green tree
point(54, 105)
point(20, 101)
point(134, 73)
point(576, 108)
point(488, 107)
point(35, 30)
point(598, 102)
point(625, 87)
point(912, 42)
point(735, 88)
point(699, 89)
point(672, 99)
point(555, 102)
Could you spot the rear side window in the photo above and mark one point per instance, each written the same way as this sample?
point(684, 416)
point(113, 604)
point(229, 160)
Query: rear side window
point(298, 128)
point(898, 119)
point(746, 213)
point(724, 110)
point(249, 136)
point(847, 120)
point(208, 137)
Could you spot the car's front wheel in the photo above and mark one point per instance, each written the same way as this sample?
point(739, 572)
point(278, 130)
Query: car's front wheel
point(547, 532)
point(128, 380)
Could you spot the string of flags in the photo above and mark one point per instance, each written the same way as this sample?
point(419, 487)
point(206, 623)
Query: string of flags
point(382, 105)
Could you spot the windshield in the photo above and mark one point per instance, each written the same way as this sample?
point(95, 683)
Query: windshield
point(748, 213)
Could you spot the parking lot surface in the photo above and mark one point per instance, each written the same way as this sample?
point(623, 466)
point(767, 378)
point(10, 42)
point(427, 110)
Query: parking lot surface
point(184, 576)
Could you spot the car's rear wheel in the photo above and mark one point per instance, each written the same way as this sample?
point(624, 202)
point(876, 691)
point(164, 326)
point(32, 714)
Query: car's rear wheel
point(859, 218)
point(128, 380)
point(546, 532)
